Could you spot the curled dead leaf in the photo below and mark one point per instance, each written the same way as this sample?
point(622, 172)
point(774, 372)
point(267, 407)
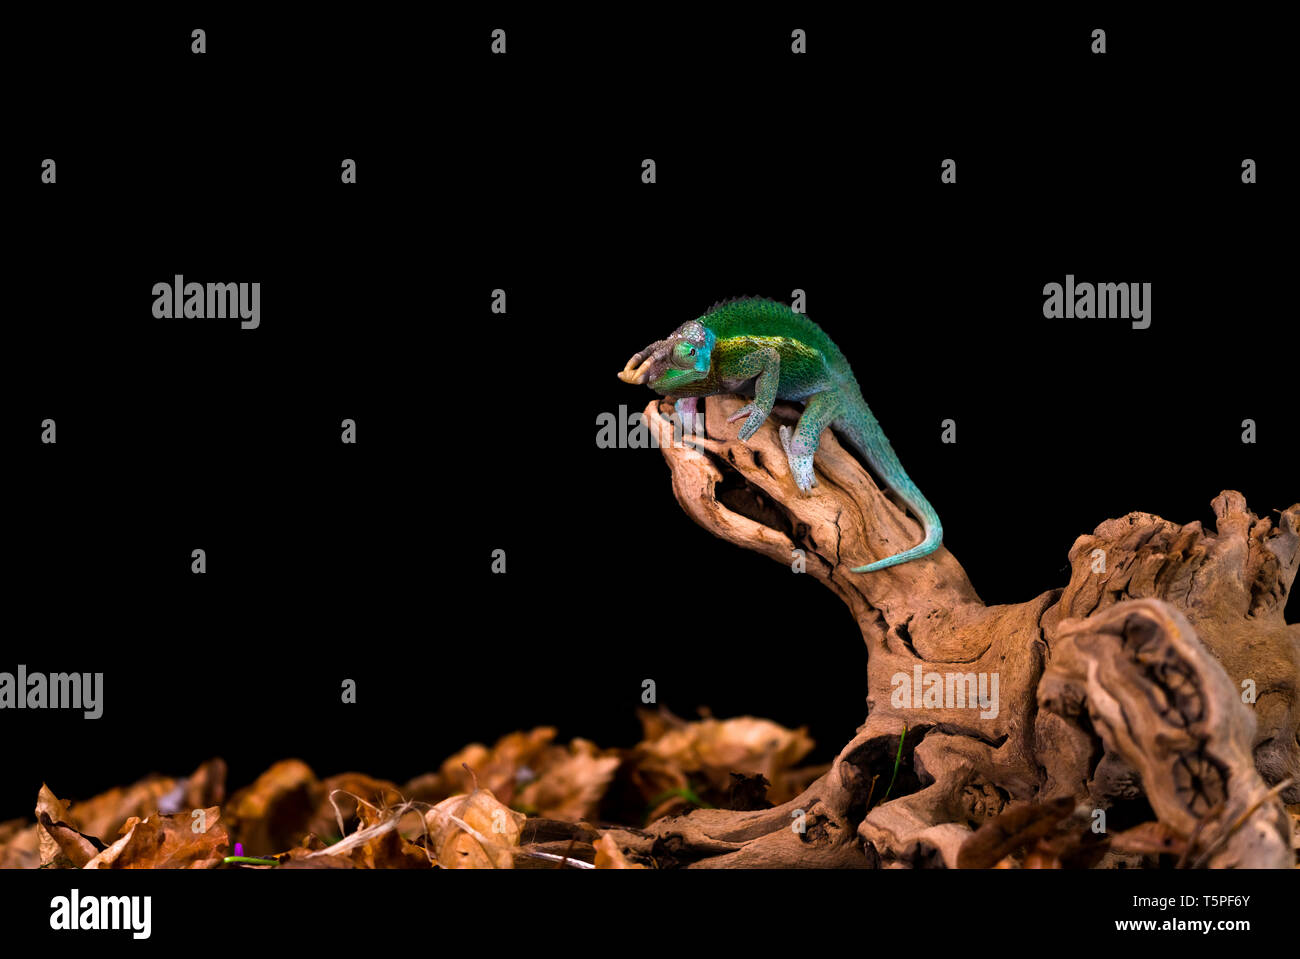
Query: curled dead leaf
point(516, 759)
point(610, 856)
point(349, 791)
point(388, 849)
point(204, 787)
point(1150, 838)
point(716, 748)
point(572, 787)
point(104, 815)
point(276, 811)
point(61, 846)
point(1021, 824)
point(19, 845)
point(71, 849)
point(474, 831)
point(167, 842)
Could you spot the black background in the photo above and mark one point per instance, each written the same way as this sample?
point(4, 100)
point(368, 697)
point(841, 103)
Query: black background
point(477, 431)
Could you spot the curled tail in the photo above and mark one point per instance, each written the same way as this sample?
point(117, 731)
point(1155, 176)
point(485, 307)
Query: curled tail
point(864, 432)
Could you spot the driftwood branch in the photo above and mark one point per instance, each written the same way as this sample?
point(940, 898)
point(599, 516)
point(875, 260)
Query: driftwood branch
point(1133, 683)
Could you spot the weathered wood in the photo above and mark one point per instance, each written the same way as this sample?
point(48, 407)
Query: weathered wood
point(1207, 604)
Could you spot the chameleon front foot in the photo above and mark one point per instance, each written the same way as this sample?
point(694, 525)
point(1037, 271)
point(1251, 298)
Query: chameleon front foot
point(756, 416)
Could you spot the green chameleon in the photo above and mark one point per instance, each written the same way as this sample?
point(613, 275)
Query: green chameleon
point(761, 348)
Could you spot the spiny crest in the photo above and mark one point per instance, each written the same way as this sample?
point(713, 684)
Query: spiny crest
point(744, 299)
point(773, 318)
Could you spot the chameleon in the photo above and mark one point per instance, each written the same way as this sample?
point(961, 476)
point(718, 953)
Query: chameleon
point(763, 349)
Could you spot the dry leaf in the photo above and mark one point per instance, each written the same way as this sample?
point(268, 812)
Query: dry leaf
point(653, 777)
point(1039, 858)
point(1074, 846)
point(105, 814)
point(427, 787)
point(377, 844)
point(378, 792)
point(474, 828)
point(20, 846)
point(276, 811)
point(751, 745)
point(656, 722)
point(61, 846)
point(50, 807)
point(571, 788)
point(1150, 838)
point(167, 842)
point(206, 786)
point(716, 748)
point(610, 856)
point(517, 758)
point(71, 850)
point(490, 840)
point(389, 849)
point(1020, 824)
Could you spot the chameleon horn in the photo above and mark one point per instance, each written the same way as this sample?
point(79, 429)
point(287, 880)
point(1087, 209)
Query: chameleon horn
point(637, 368)
point(638, 374)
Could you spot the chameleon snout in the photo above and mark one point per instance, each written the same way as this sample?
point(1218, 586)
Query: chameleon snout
point(638, 369)
point(632, 373)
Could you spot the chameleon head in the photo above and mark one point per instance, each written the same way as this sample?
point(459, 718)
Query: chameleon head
point(666, 366)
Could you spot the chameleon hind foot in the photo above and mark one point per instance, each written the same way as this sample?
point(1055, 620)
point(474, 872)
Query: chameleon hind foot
point(800, 459)
point(801, 443)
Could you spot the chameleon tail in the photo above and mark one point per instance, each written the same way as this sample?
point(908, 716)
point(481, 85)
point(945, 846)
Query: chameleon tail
point(864, 432)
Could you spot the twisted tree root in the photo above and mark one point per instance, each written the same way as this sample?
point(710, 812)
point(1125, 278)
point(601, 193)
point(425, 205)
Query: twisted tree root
point(1127, 683)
